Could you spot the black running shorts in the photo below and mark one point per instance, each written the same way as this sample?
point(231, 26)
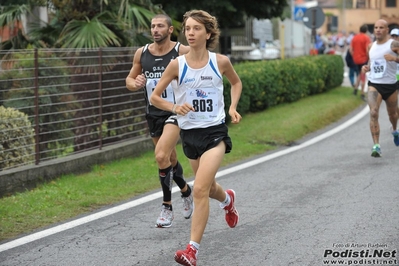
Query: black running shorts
point(156, 123)
point(384, 89)
point(199, 140)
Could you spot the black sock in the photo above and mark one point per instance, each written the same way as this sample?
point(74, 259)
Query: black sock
point(168, 206)
point(187, 192)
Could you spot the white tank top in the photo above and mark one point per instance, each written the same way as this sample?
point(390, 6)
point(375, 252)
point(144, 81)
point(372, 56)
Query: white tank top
point(203, 89)
point(382, 71)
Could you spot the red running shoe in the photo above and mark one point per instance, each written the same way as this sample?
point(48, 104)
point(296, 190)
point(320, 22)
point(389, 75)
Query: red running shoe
point(187, 257)
point(231, 211)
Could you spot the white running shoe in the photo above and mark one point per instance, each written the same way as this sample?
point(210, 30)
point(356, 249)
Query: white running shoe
point(188, 205)
point(165, 218)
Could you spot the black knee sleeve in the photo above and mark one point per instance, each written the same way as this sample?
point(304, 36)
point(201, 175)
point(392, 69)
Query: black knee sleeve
point(166, 179)
point(178, 175)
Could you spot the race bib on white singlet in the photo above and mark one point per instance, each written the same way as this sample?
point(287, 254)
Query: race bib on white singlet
point(205, 103)
point(378, 68)
point(167, 94)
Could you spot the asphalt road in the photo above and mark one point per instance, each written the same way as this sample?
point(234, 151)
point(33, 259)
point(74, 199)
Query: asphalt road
point(323, 199)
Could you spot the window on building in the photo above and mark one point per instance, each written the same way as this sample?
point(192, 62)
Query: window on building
point(361, 4)
point(348, 3)
point(390, 3)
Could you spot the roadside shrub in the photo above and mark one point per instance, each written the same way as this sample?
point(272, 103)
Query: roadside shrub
point(17, 143)
point(268, 83)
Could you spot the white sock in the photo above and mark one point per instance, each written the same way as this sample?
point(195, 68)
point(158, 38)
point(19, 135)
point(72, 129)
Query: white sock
point(196, 246)
point(226, 202)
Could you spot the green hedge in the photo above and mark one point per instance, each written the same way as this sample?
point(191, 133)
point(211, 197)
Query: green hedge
point(17, 143)
point(268, 83)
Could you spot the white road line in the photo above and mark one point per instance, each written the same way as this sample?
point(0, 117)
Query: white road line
point(59, 228)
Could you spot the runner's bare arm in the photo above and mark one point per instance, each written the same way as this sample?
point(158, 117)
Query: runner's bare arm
point(168, 75)
point(136, 80)
point(227, 69)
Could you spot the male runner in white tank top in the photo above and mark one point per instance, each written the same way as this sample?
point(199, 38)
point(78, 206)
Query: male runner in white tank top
point(382, 83)
point(200, 113)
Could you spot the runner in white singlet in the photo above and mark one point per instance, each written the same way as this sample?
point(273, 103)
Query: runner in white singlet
point(382, 82)
point(201, 116)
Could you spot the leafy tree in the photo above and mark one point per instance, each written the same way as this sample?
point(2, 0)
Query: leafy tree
point(12, 2)
point(83, 24)
point(230, 13)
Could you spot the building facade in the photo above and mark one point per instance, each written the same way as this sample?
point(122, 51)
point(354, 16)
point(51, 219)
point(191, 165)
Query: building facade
point(348, 15)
